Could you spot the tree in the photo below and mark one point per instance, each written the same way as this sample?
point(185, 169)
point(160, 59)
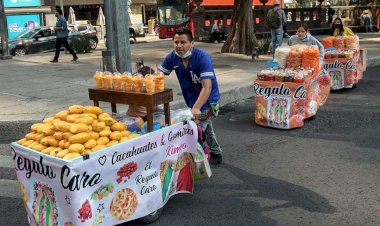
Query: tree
point(241, 38)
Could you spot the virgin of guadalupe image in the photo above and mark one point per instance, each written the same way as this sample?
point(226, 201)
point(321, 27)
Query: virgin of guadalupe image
point(278, 112)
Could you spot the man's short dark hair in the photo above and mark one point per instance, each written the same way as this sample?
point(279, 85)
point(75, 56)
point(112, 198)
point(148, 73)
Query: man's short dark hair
point(185, 31)
point(59, 11)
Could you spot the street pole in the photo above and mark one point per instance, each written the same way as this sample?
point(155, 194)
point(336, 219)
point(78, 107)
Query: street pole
point(121, 45)
point(4, 35)
point(109, 63)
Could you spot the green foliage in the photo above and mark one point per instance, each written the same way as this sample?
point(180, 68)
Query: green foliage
point(81, 45)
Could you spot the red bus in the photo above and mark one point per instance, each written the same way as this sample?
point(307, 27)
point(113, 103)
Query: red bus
point(171, 15)
point(174, 14)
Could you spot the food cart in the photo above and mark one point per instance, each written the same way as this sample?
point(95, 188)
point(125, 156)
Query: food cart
point(344, 61)
point(284, 97)
point(82, 167)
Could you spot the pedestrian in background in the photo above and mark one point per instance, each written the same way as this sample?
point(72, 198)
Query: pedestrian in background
point(217, 32)
point(276, 19)
point(62, 34)
point(330, 14)
point(365, 20)
point(196, 76)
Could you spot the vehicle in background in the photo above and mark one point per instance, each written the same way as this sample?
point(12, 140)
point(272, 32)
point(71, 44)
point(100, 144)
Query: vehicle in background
point(87, 31)
point(40, 39)
point(132, 36)
point(172, 15)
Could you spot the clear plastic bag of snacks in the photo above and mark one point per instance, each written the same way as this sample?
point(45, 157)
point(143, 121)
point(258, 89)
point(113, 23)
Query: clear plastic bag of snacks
point(138, 82)
point(295, 56)
point(117, 81)
point(339, 42)
point(351, 42)
point(310, 57)
point(107, 80)
point(127, 81)
point(281, 55)
point(328, 42)
point(98, 79)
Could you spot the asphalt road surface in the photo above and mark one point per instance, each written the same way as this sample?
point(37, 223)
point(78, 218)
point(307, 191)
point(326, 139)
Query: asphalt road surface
point(325, 173)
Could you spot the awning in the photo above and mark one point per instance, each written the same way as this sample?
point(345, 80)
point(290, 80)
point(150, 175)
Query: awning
point(231, 3)
point(42, 9)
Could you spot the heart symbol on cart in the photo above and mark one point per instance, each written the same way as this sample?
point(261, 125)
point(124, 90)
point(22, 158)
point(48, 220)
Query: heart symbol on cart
point(102, 160)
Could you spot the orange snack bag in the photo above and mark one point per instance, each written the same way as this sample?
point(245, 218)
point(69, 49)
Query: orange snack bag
point(351, 42)
point(328, 42)
point(295, 56)
point(339, 42)
point(310, 57)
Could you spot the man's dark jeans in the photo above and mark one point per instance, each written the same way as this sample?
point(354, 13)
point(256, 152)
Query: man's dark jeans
point(58, 43)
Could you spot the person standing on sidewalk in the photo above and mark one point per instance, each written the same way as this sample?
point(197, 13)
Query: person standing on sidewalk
point(197, 79)
point(330, 14)
point(62, 35)
point(276, 19)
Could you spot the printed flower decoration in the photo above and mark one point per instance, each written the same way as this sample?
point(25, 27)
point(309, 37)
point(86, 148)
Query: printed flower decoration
point(324, 81)
point(313, 106)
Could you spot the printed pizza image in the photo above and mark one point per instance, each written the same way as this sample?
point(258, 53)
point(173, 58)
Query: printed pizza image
point(124, 204)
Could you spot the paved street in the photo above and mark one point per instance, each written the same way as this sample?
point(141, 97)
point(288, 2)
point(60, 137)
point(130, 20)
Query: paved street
point(325, 173)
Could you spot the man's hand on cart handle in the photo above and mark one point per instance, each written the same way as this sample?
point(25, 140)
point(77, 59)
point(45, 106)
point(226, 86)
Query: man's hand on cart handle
point(196, 113)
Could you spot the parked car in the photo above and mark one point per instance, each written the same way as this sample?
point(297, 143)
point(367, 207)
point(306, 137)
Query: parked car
point(87, 31)
point(132, 36)
point(41, 39)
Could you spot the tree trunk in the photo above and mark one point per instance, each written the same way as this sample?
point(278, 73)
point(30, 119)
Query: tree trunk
point(241, 38)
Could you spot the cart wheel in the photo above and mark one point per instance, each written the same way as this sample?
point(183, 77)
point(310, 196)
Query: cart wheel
point(152, 217)
point(354, 86)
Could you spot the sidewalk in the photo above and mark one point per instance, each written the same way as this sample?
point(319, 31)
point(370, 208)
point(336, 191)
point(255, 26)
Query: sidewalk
point(31, 88)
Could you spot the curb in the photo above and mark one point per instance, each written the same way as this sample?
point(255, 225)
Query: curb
point(14, 130)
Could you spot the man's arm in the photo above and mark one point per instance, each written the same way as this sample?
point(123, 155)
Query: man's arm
point(59, 25)
point(167, 66)
point(283, 17)
point(203, 97)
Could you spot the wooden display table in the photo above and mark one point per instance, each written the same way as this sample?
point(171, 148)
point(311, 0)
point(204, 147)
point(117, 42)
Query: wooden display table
point(148, 100)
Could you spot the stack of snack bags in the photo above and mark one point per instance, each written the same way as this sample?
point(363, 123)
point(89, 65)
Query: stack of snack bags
point(310, 57)
point(339, 42)
point(351, 42)
point(281, 55)
point(328, 42)
point(295, 56)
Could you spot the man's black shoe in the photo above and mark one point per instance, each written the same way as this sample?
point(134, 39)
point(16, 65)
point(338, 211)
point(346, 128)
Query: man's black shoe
point(216, 159)
point(54, 61)
point(75, 59)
